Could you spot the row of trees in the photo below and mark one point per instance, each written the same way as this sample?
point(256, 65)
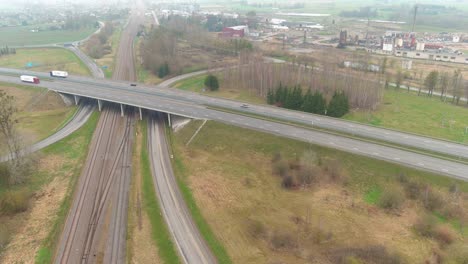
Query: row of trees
point(79, 21)
point(97, 45)
point(364, 90)
point(311, 102)
point(180, 43)
point(6, 51)
point(447, 84)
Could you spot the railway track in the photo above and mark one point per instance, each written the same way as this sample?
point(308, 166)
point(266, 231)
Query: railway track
point(101, 198)
point(96, 227)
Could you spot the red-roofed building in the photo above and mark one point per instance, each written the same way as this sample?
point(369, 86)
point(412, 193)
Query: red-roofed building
point(235, 32)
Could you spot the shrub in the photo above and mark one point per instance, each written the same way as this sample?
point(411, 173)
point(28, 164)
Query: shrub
point(444, 234)
point(334, 171)
point(307, 175)
point(211, 82)
point(257, 229)
point(425, 225)
point(413, 189)
point(14, 201)
point(369, 254)
point(280, 168)
point(391, 198)
point(281, 240)
point(289, 182)
point(432, 199)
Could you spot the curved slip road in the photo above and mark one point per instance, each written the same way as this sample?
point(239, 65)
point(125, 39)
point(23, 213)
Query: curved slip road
point(187, 238)
point(79, 119)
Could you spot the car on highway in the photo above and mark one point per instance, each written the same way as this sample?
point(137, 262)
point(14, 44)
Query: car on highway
point(133, 84)
point(245, 106)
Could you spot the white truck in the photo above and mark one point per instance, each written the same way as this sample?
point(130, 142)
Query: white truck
point(61, 74)
point(29, 79)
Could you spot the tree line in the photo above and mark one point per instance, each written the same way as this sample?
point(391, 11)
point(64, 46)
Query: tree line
point(258, 76)
point(7, 51)
point(97, 46)
point(77, 22)
point(170, 47)
point(446, 83)
point(311, 102)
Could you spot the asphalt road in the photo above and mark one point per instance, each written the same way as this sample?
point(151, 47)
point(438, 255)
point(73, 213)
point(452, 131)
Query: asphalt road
point(187, 238)
point(352, 128)
point(79, 119)
point(161, 101)
point(95, 70)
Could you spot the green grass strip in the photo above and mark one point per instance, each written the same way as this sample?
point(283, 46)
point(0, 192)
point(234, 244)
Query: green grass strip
point(181, 173)
point(46, 252)
point(159, 230)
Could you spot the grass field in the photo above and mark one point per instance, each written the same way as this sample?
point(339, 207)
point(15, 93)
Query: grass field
point(40, 113)
point(241, 191)
point(22, 35)
point(196, 84)
point(45, 59)
point(418, 114)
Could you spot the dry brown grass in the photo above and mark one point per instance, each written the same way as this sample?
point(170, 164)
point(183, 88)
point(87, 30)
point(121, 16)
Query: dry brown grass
point(32, 226)
point(238, 189)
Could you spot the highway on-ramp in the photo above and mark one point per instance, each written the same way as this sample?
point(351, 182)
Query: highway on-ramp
point(187, 238)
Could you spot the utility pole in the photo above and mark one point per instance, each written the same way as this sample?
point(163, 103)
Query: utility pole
point(367, 30)
point(414, 17)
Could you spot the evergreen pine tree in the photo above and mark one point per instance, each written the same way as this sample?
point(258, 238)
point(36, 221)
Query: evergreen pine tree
point(307, 104)
point(319, 103)
point(338, 105)
point(270, 97)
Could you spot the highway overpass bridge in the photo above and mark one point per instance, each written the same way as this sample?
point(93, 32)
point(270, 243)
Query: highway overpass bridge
point(191, 105)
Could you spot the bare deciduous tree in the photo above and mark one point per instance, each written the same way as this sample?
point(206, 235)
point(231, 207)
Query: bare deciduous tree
point(10, 137)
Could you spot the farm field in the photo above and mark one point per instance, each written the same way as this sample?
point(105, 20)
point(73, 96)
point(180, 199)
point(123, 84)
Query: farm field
point(22, 35)
point(45, 59)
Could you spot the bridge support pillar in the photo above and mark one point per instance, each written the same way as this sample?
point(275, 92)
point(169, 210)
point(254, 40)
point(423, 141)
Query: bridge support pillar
point(141, 114)
point(77, 99)
point(169, 119)
point(99, 102)
point(122, 110)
